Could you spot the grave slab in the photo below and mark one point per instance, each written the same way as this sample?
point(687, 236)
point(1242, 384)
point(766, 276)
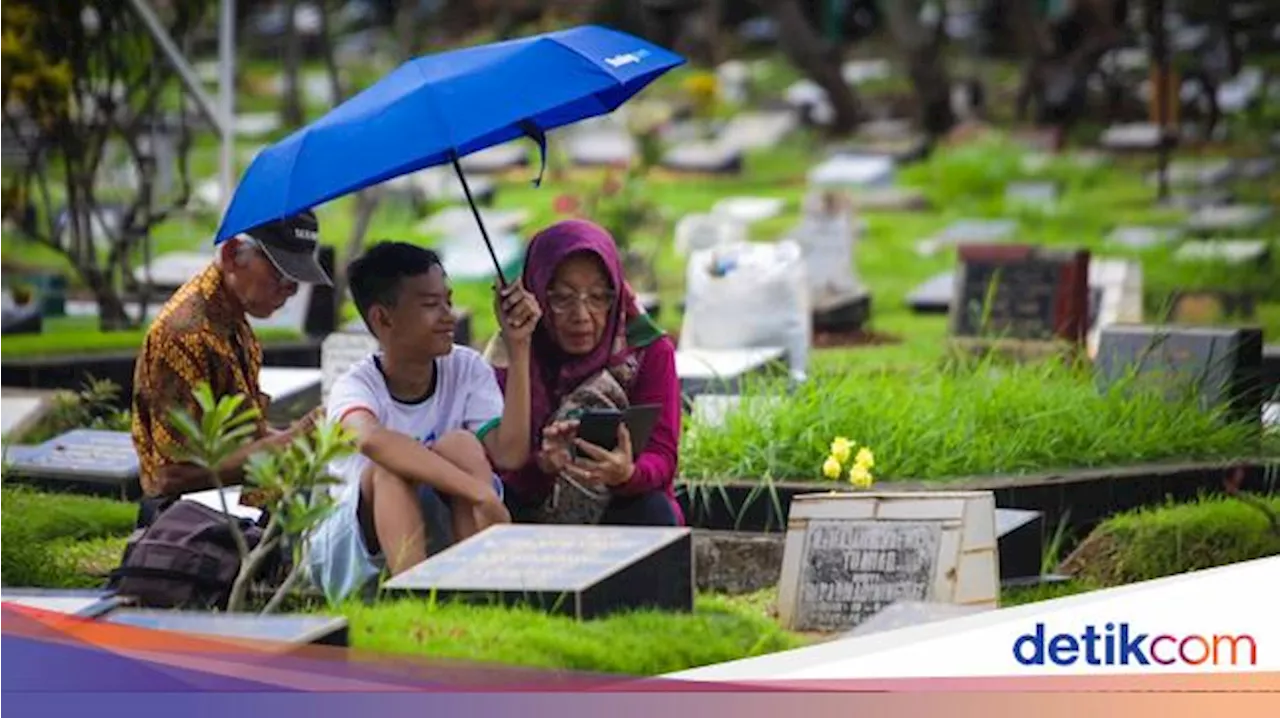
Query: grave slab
point(1257, 168)
point(1136, 137)
point(293, 390)
point(934, 295)
point(608, 147)
point(459, 220)
point(1222, 366)
point(696, 232)
point(720, 371)
point(1137, 237)
point(1232, 251)
point(1115, 296)
point(172, 270)
point(889, 199)
point(22, 409)
point(283, 633)
point(704, 157)
point(257, 124)
point(1228, 218)
point(466, 258)
point(1042, 195)
point(748, 210)
point(72, 602)
point(84, 456)
point(906, 614)
point(1212, 173)
point(1196, 200)
point(984, 231)
point(758, 130)
point(848, 556)
point(581, 571)
point(498, 158)
point(857, 72)
point(853, 171)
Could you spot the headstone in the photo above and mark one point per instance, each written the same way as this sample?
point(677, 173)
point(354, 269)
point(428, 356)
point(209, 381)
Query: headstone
point(1219, 367)
point(498, 158)
point(757, 130)
point(1228, 218)
point(748, 210)
point(827, 234)
point(848, 556)
point(1135, 237)
point(607, 147)
point(88, 456)
point(1042, 195)
point(906, 614)
point(283, 633)
point(1021, 293)
point(466, 258)
point(581, 571)
point(857, 72)
point(1115, 296)
point(721, 371)
point(889, 199)
point(338, 352)
point(1020, 544)
point(20, 413)
point(80, 603)
point(934, 295)
point(1202, 174)
point(172, 270)
point(696, 232)
point(853, 171)
point(981, 231)
point(704, 157)
point(459, 220)
point(732, 78)
point(1231, 251)
point(293, 390)
point(257, 124)
point(1132, 137)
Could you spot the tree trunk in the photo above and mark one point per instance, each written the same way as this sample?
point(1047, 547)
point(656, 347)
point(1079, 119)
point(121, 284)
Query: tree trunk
point(922, 47)
point(112, 315)
point(291, 98)
point(817, 60)
point(326, 51)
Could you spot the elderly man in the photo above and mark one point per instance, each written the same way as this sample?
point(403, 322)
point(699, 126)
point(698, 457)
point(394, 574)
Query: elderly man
point(202, 334)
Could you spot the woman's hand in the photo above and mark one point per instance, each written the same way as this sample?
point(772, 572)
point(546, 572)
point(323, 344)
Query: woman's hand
point(554, 454)
point(609, 468)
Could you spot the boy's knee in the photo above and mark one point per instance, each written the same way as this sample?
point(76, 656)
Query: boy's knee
point(464, 450)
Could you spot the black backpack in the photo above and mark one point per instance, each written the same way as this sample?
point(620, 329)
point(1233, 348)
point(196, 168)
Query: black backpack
point(186, 558)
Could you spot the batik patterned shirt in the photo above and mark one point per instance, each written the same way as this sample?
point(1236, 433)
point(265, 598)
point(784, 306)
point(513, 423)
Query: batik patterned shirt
point(200, 335)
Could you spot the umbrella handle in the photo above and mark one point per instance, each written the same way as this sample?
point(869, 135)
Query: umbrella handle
point(466, 189)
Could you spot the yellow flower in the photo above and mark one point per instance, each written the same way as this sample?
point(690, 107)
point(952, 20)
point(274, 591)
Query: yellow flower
point(841, 448)
point(860, 477)
point(865, 458)
point(831, 468)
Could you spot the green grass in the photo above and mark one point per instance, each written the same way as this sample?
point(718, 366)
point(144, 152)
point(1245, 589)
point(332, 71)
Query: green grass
point(957, 421)
point(48, 538)
point(639, 643)
point(81, 336)
point(1152, 543)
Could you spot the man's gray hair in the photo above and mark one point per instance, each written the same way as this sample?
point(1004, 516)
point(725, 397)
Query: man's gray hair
point(246, 244)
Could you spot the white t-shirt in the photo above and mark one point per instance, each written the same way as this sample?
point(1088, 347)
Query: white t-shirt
point(466, 397)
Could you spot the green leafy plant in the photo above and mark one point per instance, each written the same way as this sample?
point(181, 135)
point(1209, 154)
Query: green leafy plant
point(292, 480)
point(92, 407)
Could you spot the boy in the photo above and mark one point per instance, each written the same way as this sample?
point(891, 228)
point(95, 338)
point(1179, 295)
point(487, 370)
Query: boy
point(427, 415)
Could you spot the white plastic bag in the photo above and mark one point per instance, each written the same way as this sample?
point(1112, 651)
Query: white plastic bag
point(749, 295)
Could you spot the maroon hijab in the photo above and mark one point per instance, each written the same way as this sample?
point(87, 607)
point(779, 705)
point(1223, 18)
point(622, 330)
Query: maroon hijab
point(554, 373)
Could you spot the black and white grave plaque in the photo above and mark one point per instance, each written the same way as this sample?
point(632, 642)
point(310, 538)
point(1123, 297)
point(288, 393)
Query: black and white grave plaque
point(89, 456)
point(581, 571)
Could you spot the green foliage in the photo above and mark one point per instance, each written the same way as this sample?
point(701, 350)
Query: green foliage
point(640, 643)
point(1151, 543)
point(937, 423)
point(93, 407)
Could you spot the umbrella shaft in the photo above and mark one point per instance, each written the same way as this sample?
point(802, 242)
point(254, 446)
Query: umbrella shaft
point(466, 189)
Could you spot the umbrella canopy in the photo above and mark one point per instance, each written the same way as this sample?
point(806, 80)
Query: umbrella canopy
point(438, 108)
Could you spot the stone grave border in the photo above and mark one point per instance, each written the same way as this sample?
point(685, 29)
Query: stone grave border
point(1076, 499)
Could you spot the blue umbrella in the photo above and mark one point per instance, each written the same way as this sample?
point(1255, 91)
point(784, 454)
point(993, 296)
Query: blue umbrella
point(438, 108)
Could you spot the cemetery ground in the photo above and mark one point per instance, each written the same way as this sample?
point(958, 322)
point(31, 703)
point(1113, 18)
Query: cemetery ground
point(929, 415)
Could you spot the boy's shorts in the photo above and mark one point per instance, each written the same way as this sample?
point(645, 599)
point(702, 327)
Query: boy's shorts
point(338, 560)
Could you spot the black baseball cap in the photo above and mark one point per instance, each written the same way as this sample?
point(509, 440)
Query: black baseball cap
point(293, 244)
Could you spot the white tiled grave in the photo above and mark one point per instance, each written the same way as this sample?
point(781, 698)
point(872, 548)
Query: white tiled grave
point(968, 230)
point(757, 130)
point(21, 409)
point(711, 365)
point(1135, 136)
point(257, 124)
point(694, 232)
point(1137, 237)
point(1232, 251)
point(1203, 174)
point(282, 384)
point(173, 269)
point(853, 171)
point(1228, 217)
point(1116, 284)
point(498, 158)
point(440, 184)
point(698, 156)
point(465, 256)
point(602, 147)
point(748, 210)
point(459, 219)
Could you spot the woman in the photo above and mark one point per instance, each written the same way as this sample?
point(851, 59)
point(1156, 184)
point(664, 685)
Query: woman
point(594, 348)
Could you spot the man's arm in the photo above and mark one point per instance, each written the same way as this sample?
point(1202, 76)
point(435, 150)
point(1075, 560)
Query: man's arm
point(405, 457)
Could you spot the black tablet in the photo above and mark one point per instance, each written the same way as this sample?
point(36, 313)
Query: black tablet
point(600, 426)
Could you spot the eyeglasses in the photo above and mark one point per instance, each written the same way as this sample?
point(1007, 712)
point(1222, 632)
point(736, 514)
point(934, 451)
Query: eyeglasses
point(596, 301)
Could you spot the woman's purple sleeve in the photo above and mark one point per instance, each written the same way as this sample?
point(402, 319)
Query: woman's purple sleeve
point(657, 383)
